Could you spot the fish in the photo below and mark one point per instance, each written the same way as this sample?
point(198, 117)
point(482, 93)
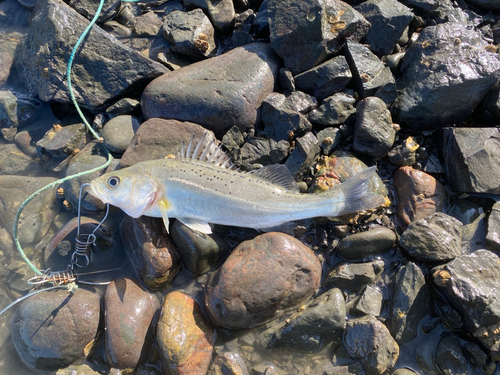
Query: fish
point(201, 186)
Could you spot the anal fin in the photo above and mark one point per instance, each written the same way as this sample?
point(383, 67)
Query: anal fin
point(163, 205)
point(198, 225)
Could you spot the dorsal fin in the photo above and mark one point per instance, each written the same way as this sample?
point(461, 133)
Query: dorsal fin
point(205, 150)
point(277, 174)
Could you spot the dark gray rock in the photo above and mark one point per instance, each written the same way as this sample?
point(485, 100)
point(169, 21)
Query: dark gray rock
point(119, 31)
point(493, 229)
point(119, 131)
point(364, 244)
point(368, 303)
point(477, 357)
point(284, 116)
point(151, 251)
point(470, 284)
point(303, 155)
point(334, 110)
point(471, 159)
point(257, 150)
point(124, 106)
point(221, 13)
point(450, 317)
point(492, 101)
point(14, 162)
point(46, 340)
point(233, 138)
point(409, 304)
point(199, 252)
point(45, 53)
point(302, 330)
point(436, 238)
point(326, 79)
point(444, 11)
point(404, 154)
point(388, 18)
point(260, 280)
point(190, 33)
point(368, 340)
point(16, 110)
point(228, 362)
point(329, 139)
point(422, 5)
point(287, 81)
point(450, 357)
point(148, 24)
point(216, 93)
point(353, 276)
point(373, 133)
point(432, 92)
point(305, 33)
point(87, 8)
point(260, 25)
point(369, 75)
point(486, 4)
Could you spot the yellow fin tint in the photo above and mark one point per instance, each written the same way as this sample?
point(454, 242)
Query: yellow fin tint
point(163, 205)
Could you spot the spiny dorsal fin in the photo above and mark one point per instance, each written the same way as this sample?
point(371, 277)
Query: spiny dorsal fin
point(206, 151)
point(277, 174)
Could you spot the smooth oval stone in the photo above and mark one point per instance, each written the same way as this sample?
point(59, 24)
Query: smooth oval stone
point(261, 278)
point(129, 311)
point(373, 242)
point(119, 131)
point(185, 337)
point(53, 329)
point(216, 93)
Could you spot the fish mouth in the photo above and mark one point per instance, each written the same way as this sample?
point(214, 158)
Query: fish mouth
point(96, 192)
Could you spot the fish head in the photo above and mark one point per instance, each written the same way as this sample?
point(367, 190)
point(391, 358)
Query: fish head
point(130, 189)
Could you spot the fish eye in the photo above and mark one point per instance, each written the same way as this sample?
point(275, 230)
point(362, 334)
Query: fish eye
point(113, 182)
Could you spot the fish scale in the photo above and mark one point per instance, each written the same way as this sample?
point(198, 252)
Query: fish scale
point(201, 186)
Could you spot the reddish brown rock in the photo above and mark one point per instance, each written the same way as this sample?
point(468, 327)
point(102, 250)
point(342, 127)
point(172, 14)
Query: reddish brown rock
point(185, 337)
point(129, 311)
point(260, 279)
point(419, 195)
point(150, 249)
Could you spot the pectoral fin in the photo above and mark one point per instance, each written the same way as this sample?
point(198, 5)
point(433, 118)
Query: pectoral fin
point(163, 205)
point(198, 225)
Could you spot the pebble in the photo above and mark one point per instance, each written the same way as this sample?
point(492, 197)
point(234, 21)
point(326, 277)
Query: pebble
point(48, 341)
point(493, 229)
point(436, 238)
point(221, 13)
point(185, 337)
point(334, 110)
point(148, 24)
point(118, 133)
point(303, 155)
point(450, 357)
point(151, 251)
point(365, 244)
point(129, 312)
point(368, 303)
point(353, 276)
point(243, 293)
point(228, 363)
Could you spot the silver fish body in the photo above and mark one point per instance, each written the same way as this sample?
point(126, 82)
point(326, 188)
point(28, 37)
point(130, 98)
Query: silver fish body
point(198, 192)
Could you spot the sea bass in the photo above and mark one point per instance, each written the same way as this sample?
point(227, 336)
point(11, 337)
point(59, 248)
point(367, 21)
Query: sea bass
point(201, 186)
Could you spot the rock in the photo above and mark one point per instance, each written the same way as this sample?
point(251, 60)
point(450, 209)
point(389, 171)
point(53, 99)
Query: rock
point(119, 131)
point(419, 194)
point(436, 238)
point(334, 110)
point(25, 142)
point(303, 329)
point(228, 362)
point(129, 312)
point(353, 276)
point(185, 337)
point(493, 229)
point(306, 33)
point(303, 155)
point(150, 250)
point(286, 80)
point(430, 77)
point(409, 304)
point(469, 282)
point(16, 110)
point(444, 11)
point(405, 155)
point(148, 24)
point(369, 75)
point(77, 370)
point(477, 357)
point(471, 161)
point(117, 30)
point(46, 51)
point(492, 100)
point(368, 340)
point(486, 4)
point(403, 371)
point(326, 79)
point(125, 106)
point(365, 244)
point(243, 292)
point(230, 76)
point(284, 116)
point(450, 357)
point(36, 218)
point(15, 162)
point(158, 138)
point(87, 8)
point(221, 13)
point(199, 252)
point(329, 139)
point(368, 303)
point(257, 150)
point(46, 340)
point(190, 33)
point(373, 133)
point(233, 138)
point(389, 19)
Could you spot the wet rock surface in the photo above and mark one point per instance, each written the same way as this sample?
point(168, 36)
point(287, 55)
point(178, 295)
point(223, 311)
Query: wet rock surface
point(129, 312)
point(353, 276)
point(243, 293)
point(48, 341)
point(364, 244)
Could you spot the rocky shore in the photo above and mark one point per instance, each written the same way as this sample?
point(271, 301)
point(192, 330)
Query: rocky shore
point(325, 87)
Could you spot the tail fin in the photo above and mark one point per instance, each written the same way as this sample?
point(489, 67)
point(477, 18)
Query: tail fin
point(356, 195)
